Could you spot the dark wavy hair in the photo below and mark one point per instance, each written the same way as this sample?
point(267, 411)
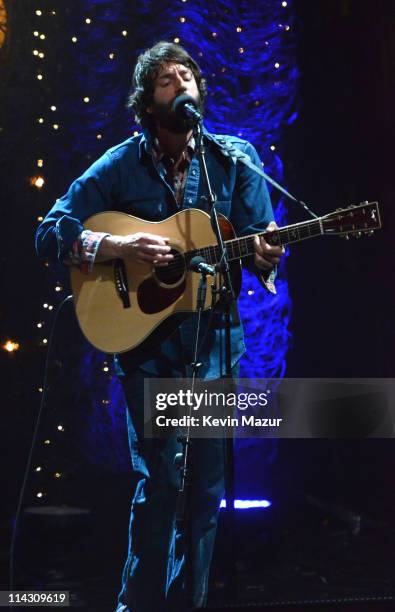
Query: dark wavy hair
point(145, 72)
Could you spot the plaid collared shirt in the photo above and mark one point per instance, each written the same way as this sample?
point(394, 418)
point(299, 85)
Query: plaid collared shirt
point(176, 171)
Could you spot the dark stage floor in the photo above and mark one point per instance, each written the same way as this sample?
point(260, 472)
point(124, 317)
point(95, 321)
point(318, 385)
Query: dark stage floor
point(315, 557)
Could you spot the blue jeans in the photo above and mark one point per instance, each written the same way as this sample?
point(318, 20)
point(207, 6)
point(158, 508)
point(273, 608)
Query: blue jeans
point(154, 573)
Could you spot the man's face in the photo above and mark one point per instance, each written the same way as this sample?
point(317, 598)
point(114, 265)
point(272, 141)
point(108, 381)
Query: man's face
point(172, 81)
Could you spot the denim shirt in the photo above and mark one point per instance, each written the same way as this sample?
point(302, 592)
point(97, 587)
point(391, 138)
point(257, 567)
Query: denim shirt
point(126, 179)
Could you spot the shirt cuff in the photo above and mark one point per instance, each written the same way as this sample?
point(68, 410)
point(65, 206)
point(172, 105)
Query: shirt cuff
point(84, 250)
point(267, 280)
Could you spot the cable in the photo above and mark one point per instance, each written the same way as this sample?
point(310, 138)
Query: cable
point(34, 439)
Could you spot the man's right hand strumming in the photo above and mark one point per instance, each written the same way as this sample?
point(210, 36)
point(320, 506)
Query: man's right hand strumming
point(139, 247)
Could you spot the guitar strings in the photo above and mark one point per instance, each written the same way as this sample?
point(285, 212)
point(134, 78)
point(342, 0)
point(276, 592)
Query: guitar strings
point(211, 253)
point(243, 246)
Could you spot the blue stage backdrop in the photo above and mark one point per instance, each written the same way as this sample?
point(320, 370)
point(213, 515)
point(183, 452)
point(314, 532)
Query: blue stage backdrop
point(246, 51)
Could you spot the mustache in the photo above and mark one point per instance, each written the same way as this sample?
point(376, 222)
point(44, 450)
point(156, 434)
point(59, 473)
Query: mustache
point(167, 118)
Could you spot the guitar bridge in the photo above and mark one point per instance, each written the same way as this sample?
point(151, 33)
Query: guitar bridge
point(121, 282)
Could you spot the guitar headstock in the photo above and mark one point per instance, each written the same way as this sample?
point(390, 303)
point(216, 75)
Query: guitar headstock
point(353, 221)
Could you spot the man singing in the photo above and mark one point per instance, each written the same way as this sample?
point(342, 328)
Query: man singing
point(153, 176)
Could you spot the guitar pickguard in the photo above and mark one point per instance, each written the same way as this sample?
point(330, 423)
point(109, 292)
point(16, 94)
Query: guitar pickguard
point(153, 299)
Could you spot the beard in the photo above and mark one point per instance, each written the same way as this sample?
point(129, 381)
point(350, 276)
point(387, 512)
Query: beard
point(169, 120)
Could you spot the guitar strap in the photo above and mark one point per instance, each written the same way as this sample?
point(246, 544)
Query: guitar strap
point(231, 151)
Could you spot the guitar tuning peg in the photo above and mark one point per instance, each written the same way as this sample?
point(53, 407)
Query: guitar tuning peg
point(358, 235)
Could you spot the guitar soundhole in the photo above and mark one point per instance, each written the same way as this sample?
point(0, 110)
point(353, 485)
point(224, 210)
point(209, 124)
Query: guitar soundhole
point(173, 273)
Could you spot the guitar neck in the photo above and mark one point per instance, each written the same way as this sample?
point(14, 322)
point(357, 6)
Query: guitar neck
point(238, 248)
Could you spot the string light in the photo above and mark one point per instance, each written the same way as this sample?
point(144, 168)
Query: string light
point(40, 163)
point(287, 27)
point(47, 442)
point(10, 346)
point(214, 34)
point(284, 4)
point(86, 99)
point(45, 341)
point(135, 133)
point(111, 55)
point(182, 19)
point(250, 292)
point(124, 32)
point(88, 21)
point(39, 324)
point(277, 65)
point(40, 389)
point(58, 288)
point(176, 40)
point(55, 126)
point(273, 148)
point(74, 39)
point(40, 494)
point(37, 181)
point(35, 33)
point(35, 52)
point(241, 49)
point(42, 36)
point(60, 428)
point(40, 77)
point(38, 13)
point(106, 369)
point(53, 108)
point(98, 136)
point(38, 469)
point(40, 120)
point(57, 474)
point(41, 55)
point(238, 29)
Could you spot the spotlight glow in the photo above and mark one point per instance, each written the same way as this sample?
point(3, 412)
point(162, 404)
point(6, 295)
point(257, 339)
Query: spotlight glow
point(247, 504)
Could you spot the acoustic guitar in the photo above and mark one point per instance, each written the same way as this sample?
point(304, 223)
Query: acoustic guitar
point(123, 306)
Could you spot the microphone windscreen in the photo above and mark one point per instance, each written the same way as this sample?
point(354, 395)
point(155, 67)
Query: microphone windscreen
point(195, 262)
point(180, 101)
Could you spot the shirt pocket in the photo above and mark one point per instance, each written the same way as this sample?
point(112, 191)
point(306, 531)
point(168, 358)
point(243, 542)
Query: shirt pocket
point(149, 209)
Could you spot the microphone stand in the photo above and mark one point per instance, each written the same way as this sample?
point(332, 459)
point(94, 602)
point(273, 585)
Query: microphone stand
point(227, 295)
point(182, 459)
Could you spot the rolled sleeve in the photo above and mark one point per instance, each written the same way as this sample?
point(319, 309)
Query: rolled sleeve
point(84, 250)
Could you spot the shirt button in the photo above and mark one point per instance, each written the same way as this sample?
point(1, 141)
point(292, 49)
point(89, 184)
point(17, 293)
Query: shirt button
point(189, 200)
point(193, 172)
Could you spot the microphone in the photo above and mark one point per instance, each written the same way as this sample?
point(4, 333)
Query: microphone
point(199, 264)
point(186, 107)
